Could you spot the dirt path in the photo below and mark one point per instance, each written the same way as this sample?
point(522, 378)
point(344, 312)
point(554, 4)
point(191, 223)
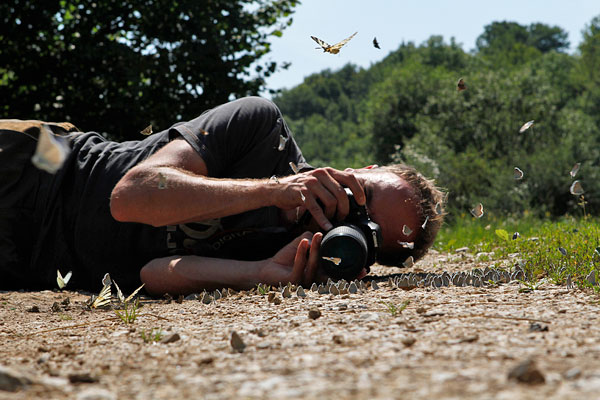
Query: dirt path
point(451, 342)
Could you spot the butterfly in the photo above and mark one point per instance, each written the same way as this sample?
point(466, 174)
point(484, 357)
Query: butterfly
point(438, 208)
point(294, 167)
point(335, 260)
point(425, 223)
point(103, 299)
point(409, 262)
point(563, 251)
point(518, 174)
point(407, 245)
point(62, 282)
point(333, 49)
point(406, 230)
point(51, 151)
point(376, 43)
point(576, 189)
point(526, 126)
point(282, 141)
point(477, 211)
point(574, 170)
point(122, 298)
point(147, 130)
point(460, 85)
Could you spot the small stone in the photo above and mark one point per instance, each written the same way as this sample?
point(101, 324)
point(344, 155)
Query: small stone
point(573, 373)
point(237, 343)
point(34, 309)
point(314, 313)
point(95, 393)
point(11, 380)
point(535, 327)
point(300, 292)
point(527, 372)
point(66, 301)
point(421, 310)
point(271, 297)
point(82, 377)
point(174, 337)
point(408, 341)
point(56, 307)
point(338, 339)
point(277, 301)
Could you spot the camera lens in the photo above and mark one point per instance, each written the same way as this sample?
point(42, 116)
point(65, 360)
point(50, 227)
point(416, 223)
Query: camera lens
point(343, 252)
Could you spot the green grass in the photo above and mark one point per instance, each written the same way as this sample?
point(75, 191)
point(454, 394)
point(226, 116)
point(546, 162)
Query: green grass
point(394, 309)
point(542, 258)
point(129, 313)
point(152, 335)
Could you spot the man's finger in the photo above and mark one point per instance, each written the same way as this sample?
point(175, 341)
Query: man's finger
point(313, 259)
point(341, 199)
point(317, 212)
point(350, 181)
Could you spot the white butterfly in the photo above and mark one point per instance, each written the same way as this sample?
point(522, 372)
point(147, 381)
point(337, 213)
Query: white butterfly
point(62, 282)
point(518, 174)
point(335, 260)
point(407, 245)
point(51, 151)
point(438, 208)
point(147, 130)
point(526, 126)
point(576, 189)
point(282, 142)
point(477, 211)
point(406, 230)
point(294, 167)
point(409, 262)
point(574, 170)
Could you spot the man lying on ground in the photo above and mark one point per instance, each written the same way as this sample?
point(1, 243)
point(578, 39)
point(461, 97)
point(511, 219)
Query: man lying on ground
point(210, 203)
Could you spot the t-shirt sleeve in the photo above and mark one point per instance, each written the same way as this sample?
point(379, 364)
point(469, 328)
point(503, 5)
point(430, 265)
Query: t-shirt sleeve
point(245, 138)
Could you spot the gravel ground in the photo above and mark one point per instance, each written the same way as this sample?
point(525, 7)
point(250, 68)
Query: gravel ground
point(494, 342)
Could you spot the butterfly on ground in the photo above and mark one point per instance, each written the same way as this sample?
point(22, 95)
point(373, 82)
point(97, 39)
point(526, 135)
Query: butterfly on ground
point(122, 298)
point(333, 49)
point(409, 262)
point(376, 43)
point(477, 211)
point(147, 130)
point(460, 85)
point(103, 299)
point(62, 282)
point(526, 126)
point(51, 151)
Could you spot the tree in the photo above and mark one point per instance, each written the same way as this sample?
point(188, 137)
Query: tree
point(117, 66)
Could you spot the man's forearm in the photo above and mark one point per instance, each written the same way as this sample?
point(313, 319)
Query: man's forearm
point(192, 274)
point(167, 196)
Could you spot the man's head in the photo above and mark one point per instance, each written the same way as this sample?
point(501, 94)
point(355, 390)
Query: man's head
point(399, 195)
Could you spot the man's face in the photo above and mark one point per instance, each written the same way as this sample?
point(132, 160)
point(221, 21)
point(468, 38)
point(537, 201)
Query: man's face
point(391, 203)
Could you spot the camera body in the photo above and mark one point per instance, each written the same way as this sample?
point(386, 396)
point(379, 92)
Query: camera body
point(351, 245)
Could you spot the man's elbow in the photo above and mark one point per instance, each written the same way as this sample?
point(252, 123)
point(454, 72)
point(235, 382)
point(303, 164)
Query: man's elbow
point(120, 204)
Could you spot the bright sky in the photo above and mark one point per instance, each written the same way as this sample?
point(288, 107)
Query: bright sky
point(395, 21)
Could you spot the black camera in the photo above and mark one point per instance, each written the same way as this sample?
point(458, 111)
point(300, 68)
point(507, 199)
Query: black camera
point(351, 245)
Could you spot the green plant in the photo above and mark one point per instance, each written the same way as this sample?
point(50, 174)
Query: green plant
point(129, 313)
point(394, 309)
point(262, 288)
point(152, 335)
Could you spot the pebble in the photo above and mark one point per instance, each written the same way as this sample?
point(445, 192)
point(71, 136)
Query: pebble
point(236, 342)
point(527, 372)
point(271, 297)
point(174, 337)
point(96, 393)
point(535, 327)
point(11, 380)
point(573, 373)
point(34, 309)
point(408, 341)
point(82, 377)
point(314, 313)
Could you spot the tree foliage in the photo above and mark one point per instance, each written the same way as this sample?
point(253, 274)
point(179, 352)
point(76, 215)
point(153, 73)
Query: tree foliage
point(409, 109)
point(116, 66)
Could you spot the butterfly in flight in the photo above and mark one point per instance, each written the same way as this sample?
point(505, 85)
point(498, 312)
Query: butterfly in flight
point(147, 130)
point(460, 85)
point(62, 282)
point(477, 211)
point(526, 126)
point(51, 151)
point(333, 49)
point(376, 43)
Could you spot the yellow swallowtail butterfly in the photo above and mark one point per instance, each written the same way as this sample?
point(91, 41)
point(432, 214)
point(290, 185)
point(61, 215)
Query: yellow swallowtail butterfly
point(333, 49)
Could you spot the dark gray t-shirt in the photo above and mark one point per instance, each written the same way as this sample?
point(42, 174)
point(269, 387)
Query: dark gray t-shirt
point(74, 230)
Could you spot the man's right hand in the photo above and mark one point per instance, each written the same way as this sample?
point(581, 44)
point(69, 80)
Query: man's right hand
point(323, 186)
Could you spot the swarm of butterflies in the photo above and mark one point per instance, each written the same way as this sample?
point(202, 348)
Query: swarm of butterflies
point(104, 298)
